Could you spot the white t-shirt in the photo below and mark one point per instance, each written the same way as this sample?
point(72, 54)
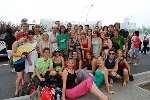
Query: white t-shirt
point(52, 39)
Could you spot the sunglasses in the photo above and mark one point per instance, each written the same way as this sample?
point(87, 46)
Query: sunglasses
point(111, 53)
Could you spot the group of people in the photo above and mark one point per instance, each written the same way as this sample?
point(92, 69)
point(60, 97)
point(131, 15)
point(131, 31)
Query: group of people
point(82, 58)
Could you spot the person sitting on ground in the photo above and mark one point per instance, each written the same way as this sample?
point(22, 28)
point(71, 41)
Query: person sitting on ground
point(58, 62)
point(87, 62)
point(78, 60)
point(72, 90)
point(44, 68)
point(101, 75)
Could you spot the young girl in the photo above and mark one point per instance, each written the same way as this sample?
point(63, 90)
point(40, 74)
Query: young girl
point(72, 90)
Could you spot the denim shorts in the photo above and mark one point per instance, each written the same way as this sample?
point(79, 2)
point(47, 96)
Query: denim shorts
point(135, 52)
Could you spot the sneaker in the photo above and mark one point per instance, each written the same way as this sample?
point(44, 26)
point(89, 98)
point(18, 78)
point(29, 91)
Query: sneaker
point(13, 70)
point(135, 64)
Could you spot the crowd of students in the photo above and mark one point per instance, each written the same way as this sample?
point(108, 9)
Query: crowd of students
point(82, 58)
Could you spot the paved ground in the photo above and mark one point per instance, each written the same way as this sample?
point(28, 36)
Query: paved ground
point(7, 84)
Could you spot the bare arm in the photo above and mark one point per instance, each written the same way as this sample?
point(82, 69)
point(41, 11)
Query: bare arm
point(128, 66)
point(80, 64)
point(93, 64)
point(40, 48)
point(100, 40)
point(63, 62)
point(109, 43)
point(116, 66)
point(106, 80)
point(14, 50)
point(64, 77)
point(89, 44)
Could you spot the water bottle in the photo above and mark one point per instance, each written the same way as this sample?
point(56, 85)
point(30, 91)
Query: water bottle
point(58, 97)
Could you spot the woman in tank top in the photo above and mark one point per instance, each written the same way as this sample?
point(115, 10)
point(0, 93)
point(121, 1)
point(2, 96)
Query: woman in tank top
point(45, 43)
point(96, 45)
point(106, 44)
point(85, 43)
point(72, 90)
point(101, 75)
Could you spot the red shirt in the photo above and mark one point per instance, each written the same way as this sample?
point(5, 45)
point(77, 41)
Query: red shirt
point(136, 41)
point(20, 34)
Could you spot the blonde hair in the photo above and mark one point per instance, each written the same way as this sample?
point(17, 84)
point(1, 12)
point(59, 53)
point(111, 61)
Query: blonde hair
point(44, 35)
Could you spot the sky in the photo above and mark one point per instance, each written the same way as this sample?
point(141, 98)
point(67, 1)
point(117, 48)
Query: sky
point(108, 11)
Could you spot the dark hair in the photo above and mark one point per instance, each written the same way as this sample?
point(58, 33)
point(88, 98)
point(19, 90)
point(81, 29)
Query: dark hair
point(90, 30)
point(87, 26)
point(62, 26)
point(57, 21)
point(137, 33)
point(117, 24)
point(124, 33)
point(112, 50)
point(105, 27)
point(56, 51)
point(111, 25)
point(31, 32)
point(9, 30)
point(46, 49)
point(96, 33)
point(24, 20)
point(81, 26)
point(69, 24)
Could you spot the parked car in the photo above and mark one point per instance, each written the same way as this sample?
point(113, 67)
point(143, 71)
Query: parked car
point(3, 50)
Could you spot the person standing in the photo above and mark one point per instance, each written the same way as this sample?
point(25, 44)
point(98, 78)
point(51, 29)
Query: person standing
point(96, 45)
point(19, 64)
point(136, 44)
point(30, 66)
point(24, 30)
point(53, 39)
point(62, 40)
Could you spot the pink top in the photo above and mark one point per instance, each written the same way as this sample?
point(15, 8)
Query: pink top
point(136, 42)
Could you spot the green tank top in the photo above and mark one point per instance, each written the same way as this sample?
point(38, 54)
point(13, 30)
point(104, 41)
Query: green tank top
point(99, 77)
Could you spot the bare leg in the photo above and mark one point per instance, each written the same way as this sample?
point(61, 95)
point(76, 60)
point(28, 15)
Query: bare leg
point(93, 64)
point(94, 90)
point(18, 82)
point(126, 77)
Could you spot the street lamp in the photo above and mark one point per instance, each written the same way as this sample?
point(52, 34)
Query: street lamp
point(92, 5)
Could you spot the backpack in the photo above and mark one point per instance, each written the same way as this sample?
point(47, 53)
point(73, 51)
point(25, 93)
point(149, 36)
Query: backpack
point(47, 94)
